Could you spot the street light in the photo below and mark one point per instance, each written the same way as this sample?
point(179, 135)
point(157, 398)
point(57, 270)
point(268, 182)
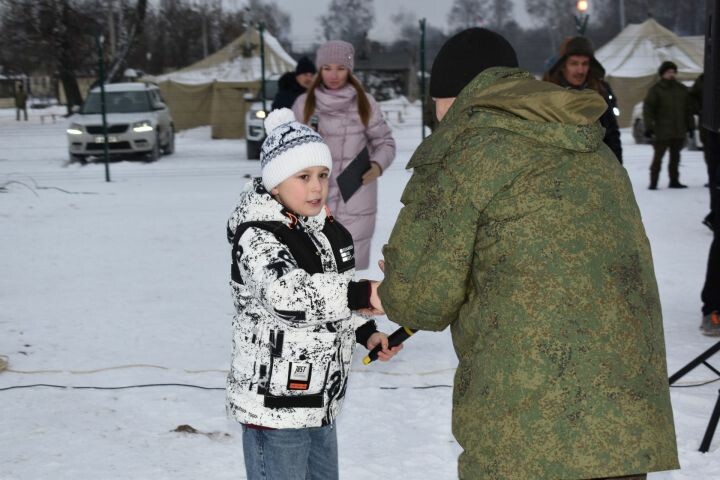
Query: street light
point(581, 19)
point(99, 40)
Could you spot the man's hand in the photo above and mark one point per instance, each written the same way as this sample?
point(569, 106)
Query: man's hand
point(375, 302)
point(372, 174)
point(379, 338)
point(375, 307)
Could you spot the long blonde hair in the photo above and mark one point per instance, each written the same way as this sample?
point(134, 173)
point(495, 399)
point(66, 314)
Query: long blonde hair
point(363, 103)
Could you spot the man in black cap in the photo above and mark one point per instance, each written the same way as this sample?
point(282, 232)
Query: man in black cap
point(667, 112)
point(293, 84)
point(577, 68)
point(520, 231)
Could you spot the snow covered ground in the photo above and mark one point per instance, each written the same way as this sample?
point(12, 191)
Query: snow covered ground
point(125, 283)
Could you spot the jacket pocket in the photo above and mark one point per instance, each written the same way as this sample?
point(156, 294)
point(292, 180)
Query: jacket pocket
point(249, 358)
point(300, 365)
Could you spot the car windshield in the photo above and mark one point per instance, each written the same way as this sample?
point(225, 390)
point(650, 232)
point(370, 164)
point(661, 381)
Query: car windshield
point(271, 88)
point(117, 102)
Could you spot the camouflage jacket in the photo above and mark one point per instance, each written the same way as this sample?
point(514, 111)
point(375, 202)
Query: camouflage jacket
point(520, 230)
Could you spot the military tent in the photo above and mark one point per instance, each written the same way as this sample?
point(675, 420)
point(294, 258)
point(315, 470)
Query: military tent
point(211, 91)
point(631, 62)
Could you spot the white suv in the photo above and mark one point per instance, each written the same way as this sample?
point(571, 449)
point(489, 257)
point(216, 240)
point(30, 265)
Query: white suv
point(255, 118)
point(138, 122)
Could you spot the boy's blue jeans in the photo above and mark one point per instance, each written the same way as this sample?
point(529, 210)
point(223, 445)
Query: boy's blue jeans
point(291, 453)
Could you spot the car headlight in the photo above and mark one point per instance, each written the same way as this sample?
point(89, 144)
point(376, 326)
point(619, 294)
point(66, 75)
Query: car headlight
point(260, 114)
point(142, 127)
point(75, 129)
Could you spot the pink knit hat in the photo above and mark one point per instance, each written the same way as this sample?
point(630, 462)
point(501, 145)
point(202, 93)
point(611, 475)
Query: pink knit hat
point(336, 51)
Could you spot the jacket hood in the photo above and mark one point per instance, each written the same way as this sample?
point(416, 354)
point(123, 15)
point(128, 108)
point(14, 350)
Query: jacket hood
point(580, 46)
point(511, 99)
point(288, 82)
point(257, 205)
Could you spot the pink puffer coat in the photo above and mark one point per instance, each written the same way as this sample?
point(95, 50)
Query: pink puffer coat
point(340, 125)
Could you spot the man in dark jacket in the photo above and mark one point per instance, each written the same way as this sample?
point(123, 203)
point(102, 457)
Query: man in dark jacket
point(696, 96)
point(578, 69)
point(20, 103)
point(711, 289)
point(667, 112)
point(293, 84)
point(711, 149)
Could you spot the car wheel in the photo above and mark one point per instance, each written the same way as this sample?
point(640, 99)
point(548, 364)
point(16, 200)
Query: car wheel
point(169, 147)
point(155, 153)
point(253, 149)
point(81, 159)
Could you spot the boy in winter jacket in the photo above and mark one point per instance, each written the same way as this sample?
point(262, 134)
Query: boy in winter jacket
point(299, 313)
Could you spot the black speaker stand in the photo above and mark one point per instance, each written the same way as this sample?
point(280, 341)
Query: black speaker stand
point(715, 416)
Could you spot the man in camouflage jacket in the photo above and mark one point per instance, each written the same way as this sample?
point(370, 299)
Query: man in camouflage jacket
point(520, 230)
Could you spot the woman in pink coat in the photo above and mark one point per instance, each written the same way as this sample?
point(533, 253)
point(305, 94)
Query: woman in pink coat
point(349, 120)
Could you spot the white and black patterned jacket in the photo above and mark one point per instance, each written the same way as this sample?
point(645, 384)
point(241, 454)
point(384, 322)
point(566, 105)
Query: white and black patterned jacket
point(294, 332)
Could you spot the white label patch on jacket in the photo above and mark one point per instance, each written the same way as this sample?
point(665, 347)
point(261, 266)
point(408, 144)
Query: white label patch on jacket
point(299, 376)
point(346, 254)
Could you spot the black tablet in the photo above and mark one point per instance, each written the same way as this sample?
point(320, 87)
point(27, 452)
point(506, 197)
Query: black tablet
point(350, 179)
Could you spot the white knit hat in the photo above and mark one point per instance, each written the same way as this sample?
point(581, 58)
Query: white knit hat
point(290, 147)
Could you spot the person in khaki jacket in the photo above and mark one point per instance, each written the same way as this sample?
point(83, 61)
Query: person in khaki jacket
point(667, 113)
point(520, 231)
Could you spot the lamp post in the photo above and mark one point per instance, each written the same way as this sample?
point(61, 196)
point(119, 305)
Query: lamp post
point(261, 29)
point(99, 39)
point(581, 19)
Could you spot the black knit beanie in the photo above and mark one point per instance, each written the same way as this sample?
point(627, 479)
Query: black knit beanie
point(464, 56)
point(666, 65)
point(305, 65)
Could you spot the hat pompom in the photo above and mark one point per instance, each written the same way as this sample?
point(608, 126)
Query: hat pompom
point(277, 118)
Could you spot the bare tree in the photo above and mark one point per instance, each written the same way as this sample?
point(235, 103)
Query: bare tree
point(502, 13)
point(49, 37)
point(408, 35)
point(493, 14)
point(25, 34)
point(468, 13)
point(348, 20)
point(276, 21)
point(136, 24)
point(556, 17)
point(684, 17)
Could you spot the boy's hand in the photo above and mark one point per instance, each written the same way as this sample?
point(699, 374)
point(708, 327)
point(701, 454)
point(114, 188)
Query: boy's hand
point(379, 338)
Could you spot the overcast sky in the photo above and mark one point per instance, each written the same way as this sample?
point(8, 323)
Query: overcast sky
point(305, 13)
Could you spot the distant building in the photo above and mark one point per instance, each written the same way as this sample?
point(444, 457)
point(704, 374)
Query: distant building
point(388, 74)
